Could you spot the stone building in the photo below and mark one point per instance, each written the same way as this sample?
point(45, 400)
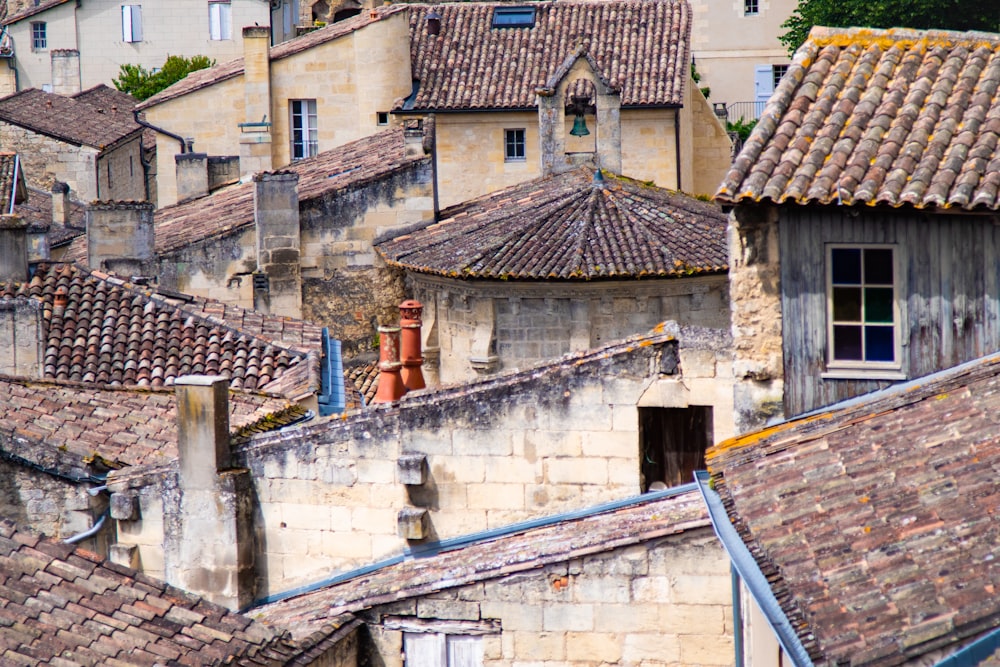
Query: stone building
point(637, 582)
point(96, 151)
point(64, 47)
point(862, 239)
point(346, 80)
point(560, 264)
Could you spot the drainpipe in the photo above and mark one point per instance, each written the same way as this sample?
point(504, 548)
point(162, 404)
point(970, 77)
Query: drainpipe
point(409, 323)
point(90, 532)
point(677, 144)
point(179, 139)
point(390, 382)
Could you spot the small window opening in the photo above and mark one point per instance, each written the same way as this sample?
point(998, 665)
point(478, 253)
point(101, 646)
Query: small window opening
point(513, 145)
point(514, 17)
point(382, 118)
point(673, 442)
point(777, 74)
point(751, 7)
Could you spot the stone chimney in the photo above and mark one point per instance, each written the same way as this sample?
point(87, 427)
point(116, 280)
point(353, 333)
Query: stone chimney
point(120, 237)
point(13, 249)
point(211, 553)
point(255, 133)
point(276, 214)
point(60, 203)
point(39, 249)
point(66, 72)
point(192, 175)
point(413, 138)
point(21, 349)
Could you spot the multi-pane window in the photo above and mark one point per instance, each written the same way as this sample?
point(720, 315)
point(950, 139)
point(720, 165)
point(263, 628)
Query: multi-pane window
point(513, 145)
point(131, 23)
point(863, 315)
point(513, 17)
point(220, 20)
point(777, 73)
point(39, 36)
point(305, 135)
point(751, 7)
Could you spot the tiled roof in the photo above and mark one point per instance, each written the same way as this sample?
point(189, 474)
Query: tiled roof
point(364, 377)
point(876, 523)
point(524, 550)
point(67, 606)
point(894, 117)
point(639, 46)
point(31, 11)
point(37, 211)
point(112, 333)
point(111, 101)
point(12, 187)
point(569, 227)
point(122, 426)
point(206, 77)
point(67, 119)
point(231, 208)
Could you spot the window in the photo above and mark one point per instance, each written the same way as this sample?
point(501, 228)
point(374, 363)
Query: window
point(220, 21)
point(862, 307)
point(426, 649)
point(514, 17)
point(751, 7)
point(382, 118)
point(673, 443)
point(513, 145)
point(777, 73)
point(39, 36)
point(305, 136)
point(131, 23)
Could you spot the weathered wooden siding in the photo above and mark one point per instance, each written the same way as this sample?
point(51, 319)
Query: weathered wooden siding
point(951, 306)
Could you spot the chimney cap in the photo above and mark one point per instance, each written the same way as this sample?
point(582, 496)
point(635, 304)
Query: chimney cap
point(58, 187)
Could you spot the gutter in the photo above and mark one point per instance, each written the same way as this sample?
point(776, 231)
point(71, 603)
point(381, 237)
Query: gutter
point(975, 653)
point(140, 121)
point(748, 570)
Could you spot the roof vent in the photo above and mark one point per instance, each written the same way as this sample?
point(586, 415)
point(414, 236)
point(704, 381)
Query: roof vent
point(433, 20)
point(514, 17)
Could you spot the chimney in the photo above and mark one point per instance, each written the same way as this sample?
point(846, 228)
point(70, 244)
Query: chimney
point(409, 324)
point(413, 138)
point(213, 554)
point(21, 336)
point(120, 237)
point(38, 243)
point(192, 175)
point(433, 20)
point(276, 214)
point(13, 249)
point(66, 72)
point(60, 203)
point(390, 381)
point(255, 133)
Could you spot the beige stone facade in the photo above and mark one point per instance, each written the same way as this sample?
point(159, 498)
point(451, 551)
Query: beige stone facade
point(94, 28)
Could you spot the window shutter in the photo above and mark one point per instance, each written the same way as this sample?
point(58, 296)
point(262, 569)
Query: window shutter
point(763, 82)
point(126, 23)
point(424, 650)
point(214, 27)
point(136, 23)
point(225, 21)
point(131, 23)
point(465, 651)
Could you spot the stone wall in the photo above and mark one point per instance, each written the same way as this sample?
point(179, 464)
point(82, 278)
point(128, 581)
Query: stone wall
point(119, 172)
point(328, 494)
point(46, 160)
point(755, 290)
point(710, 147)
point(665, 602)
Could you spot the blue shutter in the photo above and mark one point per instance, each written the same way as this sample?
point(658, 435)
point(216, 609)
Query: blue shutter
point(763, 83)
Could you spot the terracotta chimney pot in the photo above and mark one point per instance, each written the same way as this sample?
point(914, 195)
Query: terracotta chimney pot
point(410, 312)
point(390, 382)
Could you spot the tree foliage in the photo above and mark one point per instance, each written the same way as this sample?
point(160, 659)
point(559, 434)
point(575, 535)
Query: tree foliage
point(922, 14)
point(141, 83)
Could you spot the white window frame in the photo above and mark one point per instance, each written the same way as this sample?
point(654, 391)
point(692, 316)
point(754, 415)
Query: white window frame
point(438, 649)
point(131, 23)
point(39, 36)
point(220, 20)
point(855, 368)
point(751, 7)
point(514, 149)
point(303, 121)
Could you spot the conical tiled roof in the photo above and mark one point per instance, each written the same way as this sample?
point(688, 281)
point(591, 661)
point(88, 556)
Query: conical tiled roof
point(569, 227)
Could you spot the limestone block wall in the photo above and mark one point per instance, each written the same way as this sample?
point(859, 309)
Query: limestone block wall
point(666, 602)
point(525, 324)
point(328, 494)
point(648, 146)
point(34, 66)
point(46, 160)
point(710, 147)
point(120, 174)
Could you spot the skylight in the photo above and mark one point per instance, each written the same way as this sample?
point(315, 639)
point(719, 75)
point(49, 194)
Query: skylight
point(514, 17)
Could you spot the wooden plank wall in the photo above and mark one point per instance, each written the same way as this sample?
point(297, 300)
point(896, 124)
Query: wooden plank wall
point(950, 313)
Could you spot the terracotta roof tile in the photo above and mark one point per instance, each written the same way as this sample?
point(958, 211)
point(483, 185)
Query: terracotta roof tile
point(36, 210)
point(639, 46)
point(53, 618)
point(115, 334)
point(31, 11)
point(108, 100)
point(364, 378)
point(231, 208)
point(876, 521)
point(67, 119)
point(894, 117)
point(524, 550)
point(569, 227)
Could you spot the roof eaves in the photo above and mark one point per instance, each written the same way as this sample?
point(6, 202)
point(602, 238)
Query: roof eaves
point(748, 570)
point(16, 18)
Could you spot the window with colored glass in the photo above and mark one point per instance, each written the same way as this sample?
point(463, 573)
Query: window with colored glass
point(864, 325)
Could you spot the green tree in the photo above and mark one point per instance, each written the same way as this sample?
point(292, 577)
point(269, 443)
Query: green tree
point(941, 14)
point(140, 83)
